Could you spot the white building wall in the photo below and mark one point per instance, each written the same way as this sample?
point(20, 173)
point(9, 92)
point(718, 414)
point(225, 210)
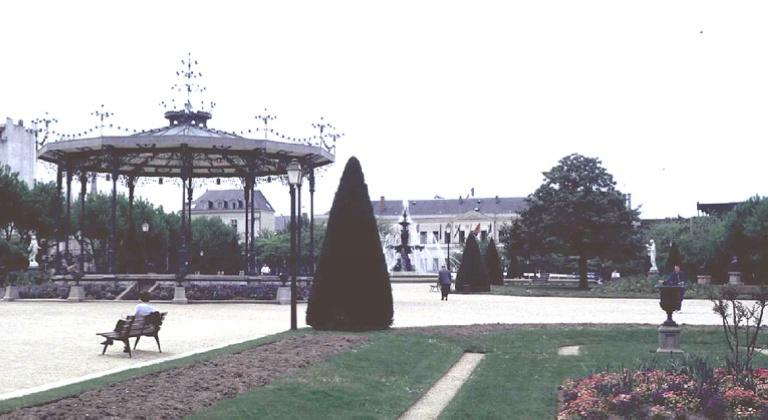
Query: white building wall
point(264, 220)
point(17, 150)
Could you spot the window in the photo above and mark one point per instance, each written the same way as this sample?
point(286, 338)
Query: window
point(483, 235)
point(210, 205)
point(423, 238)
point(233, 223)
point(239, 204)
point(220, 204)
point(462, 238)
point(436, 237)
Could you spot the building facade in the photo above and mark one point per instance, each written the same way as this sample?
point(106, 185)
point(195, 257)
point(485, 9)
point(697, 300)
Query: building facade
point(17, 150)
point(229, 206)
point(442, 224)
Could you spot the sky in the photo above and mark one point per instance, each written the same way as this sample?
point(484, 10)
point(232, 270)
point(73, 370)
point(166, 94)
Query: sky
point(433, 97)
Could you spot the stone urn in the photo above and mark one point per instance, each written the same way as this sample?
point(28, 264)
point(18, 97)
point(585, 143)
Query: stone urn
point(669, 332)
point(704, 279)
point(670, 298)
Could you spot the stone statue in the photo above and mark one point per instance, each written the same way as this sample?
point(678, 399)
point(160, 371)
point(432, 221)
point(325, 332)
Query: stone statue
point(651, 247)
point(33, 249)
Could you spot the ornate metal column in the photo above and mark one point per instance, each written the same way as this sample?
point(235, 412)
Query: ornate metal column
point(115, 170)
point(189, 207)
point(247, 196)
point(254, 267)
point(298, 227)
point(58, 209)
point(131, 183)
point(68, 214)
point(83, 186)
point(312, 219)
point(185, 173)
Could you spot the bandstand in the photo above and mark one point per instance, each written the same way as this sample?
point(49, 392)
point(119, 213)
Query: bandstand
point(186, 149)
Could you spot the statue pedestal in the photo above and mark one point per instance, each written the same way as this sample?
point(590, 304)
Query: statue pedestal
point(734, 277)
point(180, 295)
point(704, 279)
point(653, 270)
point(11, 293)
point(283, 295)
point(76, 293)
point(669, 340)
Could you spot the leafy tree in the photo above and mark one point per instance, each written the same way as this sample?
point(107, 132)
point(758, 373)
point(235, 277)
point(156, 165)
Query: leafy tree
point(472, 275)
point(12, 193)
point(578, 211)
point(674, 258)
point(516, 246)
point(274, 248)
point(214, 247)
point(493, 263)
point(746, 238)
point(351, 288)
point(12, 258)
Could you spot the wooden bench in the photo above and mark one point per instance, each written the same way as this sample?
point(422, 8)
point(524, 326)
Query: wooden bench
point(148, 326)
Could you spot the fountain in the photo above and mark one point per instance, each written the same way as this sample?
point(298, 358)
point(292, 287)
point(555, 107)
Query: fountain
point(406, 260)
point(404, 249)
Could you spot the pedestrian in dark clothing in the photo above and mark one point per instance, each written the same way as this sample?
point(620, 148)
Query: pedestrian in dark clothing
point(676, 278)
point(444, 278)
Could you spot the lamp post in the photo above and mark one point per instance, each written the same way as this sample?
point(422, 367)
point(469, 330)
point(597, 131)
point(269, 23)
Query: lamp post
point(294, 178)
point(144, 230)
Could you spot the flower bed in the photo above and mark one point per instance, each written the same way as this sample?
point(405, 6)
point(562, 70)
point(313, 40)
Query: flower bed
point(660, 394)
point(222, 292)
point(51, 290)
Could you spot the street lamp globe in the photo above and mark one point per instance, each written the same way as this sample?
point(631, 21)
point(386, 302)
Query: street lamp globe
point(145, 227)
point(294, 172)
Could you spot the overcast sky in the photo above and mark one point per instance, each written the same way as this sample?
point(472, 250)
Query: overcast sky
point(435, 97)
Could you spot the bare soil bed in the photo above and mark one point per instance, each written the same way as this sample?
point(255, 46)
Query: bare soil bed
point(177, 392)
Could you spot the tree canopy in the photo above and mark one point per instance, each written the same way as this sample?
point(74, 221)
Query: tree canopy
point(578, 211)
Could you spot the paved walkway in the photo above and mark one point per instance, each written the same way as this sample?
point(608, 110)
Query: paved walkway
point(49, 342)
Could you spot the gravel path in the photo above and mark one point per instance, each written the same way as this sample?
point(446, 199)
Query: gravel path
point(180, 391)
point(48, 344)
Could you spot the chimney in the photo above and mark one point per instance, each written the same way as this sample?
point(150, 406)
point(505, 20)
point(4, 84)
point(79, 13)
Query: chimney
point(381, 204)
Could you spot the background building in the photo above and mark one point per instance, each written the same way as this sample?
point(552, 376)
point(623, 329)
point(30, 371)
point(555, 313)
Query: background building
point(229, 206)
point(17, 150)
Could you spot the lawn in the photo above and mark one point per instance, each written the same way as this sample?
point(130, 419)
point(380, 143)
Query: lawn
point(517, 379)
point(379, 380)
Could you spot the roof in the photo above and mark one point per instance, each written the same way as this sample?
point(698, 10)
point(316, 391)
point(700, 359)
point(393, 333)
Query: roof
point(260, 202)
point(486, 205)
point(187, 146)
point(387, 208)
point(717, 209)
point(492, 205)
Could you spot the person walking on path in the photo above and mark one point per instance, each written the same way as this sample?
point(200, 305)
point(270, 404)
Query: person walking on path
point(444, 278)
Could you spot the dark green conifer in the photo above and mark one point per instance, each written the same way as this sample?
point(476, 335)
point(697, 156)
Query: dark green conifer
point(351, 289)
point(493, 264)
point(472, 275)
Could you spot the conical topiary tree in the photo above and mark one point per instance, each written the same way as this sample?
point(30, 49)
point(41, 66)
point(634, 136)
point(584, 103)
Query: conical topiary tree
point(673, 258)
point(493, 264)
point(472, 275)
point(351, 289)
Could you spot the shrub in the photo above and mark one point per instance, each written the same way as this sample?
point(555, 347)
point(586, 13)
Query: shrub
point(472, 275)
point(493, 264)
point(48, 290)
point(351, 289)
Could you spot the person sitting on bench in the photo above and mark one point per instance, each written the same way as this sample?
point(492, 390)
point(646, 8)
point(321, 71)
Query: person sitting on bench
point(142, 309)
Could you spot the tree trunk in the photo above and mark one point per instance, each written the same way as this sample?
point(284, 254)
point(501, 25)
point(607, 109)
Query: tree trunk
point(582, 272)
